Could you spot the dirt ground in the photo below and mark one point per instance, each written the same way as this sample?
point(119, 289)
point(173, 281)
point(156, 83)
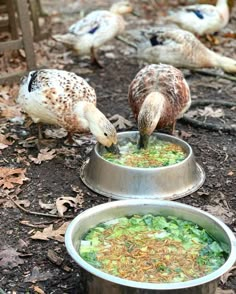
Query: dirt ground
point(35, 261)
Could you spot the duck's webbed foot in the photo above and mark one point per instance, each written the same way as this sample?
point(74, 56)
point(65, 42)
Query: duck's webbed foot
point(120, 122)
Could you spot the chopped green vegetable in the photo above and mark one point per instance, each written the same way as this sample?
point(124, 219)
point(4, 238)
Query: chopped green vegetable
point(160, 153)
point(152, 248)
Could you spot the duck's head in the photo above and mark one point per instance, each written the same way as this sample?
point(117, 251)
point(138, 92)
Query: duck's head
point(103, 130)
point(122, 7)
point(149, 116)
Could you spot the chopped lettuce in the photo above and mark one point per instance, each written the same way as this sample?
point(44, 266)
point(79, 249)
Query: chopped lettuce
point(159, 153)
point(166, 249)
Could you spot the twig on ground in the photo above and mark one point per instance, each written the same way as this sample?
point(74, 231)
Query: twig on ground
point(37, 225)
point(127, 42)
point(210, 126)
point(38, 213)
point(214, 74)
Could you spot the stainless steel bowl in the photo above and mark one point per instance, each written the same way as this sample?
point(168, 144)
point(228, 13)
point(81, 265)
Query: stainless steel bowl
point(124, 182)
point(96, 281)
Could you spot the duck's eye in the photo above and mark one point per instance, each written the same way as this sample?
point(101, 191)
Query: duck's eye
point(105, 134)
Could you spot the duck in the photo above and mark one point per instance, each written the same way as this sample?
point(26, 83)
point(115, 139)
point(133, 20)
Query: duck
point(201, 19)
point(181, 49)
point(158, 96)
point(95, 29)
point(62, 98)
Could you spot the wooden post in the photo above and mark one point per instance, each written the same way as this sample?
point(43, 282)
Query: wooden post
point(27, 38)
point(12, 18)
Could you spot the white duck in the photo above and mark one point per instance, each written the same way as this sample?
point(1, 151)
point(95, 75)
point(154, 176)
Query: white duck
point(95, 29)
point(181, 49)
point(62, 98)
point(201, 19)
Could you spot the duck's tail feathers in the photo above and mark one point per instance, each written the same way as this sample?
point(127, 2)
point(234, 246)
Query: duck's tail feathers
point(66, 39)
point(226, 63)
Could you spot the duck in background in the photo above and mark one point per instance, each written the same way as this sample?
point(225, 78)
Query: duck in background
point(181, 49)
point(201, 19)
point(158, 96)
point(62, 98)
point(95, 29)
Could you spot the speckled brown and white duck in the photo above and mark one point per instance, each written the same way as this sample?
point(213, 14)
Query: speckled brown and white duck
point(182, 49)
point(158, 96)
point(62, 98)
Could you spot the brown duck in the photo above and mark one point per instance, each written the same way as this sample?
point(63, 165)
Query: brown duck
point(158, 96)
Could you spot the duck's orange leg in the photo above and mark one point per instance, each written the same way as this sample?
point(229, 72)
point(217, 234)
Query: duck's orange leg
point(94, 60)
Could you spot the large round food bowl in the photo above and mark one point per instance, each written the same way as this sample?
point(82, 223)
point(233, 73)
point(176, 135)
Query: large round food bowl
point(96, 281)
point(124, 182)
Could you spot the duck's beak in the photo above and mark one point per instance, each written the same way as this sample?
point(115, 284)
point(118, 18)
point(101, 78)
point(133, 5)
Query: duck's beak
point(143, 141)
point(135, 13)
point(113, 149)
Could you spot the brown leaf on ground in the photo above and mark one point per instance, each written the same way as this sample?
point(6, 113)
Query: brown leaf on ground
point(64, 203)
point(10, 204)
point(55, 133)
point(37, 289)
point(221, 212)
point(48, 206)
point(50, 233)
point(10, 176)
point(44, 155)
point(79, 196)
point(224, 278)
point(208, 111)
point(9, 257)
point(37, 276)
point(221, 291)
point(4, 142)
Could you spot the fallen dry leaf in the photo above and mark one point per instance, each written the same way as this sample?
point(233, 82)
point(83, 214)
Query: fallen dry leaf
point(55, 133)
point(10, 176)
point(46, 205)
point(209, 111)
point(221, 212)
point(206, 112)
point(50, 233)
point(230, 173)
point(221, 291)
point(37, 276)
point(9, 257)
point(231, 272)
point(65, 202)
point(37, 289)
point(44, 155)
point(10, 204)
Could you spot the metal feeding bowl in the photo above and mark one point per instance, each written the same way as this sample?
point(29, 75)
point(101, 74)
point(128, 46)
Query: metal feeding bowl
point(96, 281)
point(124, 182)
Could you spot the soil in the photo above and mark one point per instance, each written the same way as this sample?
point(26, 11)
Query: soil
point(215, 151)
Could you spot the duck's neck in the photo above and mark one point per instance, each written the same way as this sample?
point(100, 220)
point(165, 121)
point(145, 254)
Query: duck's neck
point(88, 115)
point(150, 112)
point(226, 63)
point(221, 3)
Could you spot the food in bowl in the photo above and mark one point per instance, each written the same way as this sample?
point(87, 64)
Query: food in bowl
point(159, 153)
point(155, 249)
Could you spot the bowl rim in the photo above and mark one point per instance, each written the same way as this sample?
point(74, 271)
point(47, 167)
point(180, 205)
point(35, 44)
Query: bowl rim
point(184, 143)
point(144, 285)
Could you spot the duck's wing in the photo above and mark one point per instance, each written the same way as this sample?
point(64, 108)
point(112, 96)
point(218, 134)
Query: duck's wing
point(198, 12)
point(57, 87)
point(171, 46)
point(90, 23)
